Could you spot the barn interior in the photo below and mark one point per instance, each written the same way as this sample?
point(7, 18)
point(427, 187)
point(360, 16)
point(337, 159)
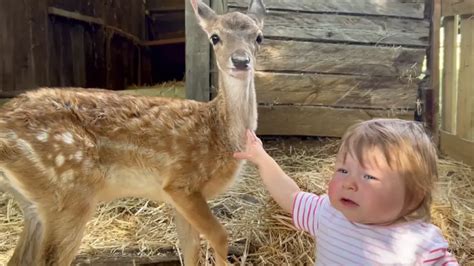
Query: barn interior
point(324, 65)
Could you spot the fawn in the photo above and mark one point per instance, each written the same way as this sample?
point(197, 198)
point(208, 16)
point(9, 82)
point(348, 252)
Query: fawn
point(64, 150)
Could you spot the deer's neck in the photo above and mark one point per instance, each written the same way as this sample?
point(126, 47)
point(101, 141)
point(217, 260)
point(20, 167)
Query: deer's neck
point(237, 105)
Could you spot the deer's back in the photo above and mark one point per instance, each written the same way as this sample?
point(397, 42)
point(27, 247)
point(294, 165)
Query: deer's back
point(103, 140)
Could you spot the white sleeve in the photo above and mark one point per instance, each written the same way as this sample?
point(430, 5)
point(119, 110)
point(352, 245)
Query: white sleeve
point(305, 212)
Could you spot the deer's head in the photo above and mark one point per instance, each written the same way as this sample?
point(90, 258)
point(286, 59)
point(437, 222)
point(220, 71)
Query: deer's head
point(235, 37)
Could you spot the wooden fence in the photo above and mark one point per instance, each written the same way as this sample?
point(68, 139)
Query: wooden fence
point(457, 77)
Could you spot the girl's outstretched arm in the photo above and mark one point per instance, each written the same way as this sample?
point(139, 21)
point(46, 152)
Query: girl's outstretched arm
point(281, 187)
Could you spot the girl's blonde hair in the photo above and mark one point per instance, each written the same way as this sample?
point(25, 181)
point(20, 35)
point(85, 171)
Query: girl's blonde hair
point(407, 149)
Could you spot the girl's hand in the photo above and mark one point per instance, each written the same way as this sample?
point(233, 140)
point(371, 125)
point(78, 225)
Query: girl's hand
point(254, 150)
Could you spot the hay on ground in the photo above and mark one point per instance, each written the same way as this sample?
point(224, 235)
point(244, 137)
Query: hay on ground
point(260, 232)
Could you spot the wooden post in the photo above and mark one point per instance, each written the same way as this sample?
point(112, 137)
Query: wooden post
point(197, 57)
point(433, 100)
point(450, 77)
point(465, 112)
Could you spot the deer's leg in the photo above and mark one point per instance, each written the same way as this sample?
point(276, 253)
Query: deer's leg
point(27, 247)
point(193, 207)
point(188, 240)
point(63, 231)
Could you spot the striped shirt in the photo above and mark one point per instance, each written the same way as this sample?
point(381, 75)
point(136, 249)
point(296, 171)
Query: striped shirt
point(341, 242)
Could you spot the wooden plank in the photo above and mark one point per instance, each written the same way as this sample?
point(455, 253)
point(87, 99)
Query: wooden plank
point(340, 28)
point(340, 58)
point(78, 53)
point(457, 148)
point(39, 41)
point(457, 7)
point(164, 5)
point(197, 58)
point(166, 25)
point(316, 121)
point(87, 19)
point(465, 111)
point(335, 90)
point(431, 98)
point(396, 8)
point(450, 71)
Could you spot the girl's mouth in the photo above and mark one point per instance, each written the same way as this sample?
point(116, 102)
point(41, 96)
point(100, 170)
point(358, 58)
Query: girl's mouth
point(349, 203)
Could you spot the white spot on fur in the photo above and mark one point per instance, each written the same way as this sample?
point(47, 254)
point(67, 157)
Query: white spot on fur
point(42, 136)
point(67, 138)
point(59, 160)
point(78, 156)
point(67, 176)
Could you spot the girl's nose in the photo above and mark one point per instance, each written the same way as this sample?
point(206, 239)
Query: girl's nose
point(349, 183)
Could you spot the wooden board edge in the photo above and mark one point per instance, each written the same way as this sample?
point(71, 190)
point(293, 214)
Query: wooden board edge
point(457, 148)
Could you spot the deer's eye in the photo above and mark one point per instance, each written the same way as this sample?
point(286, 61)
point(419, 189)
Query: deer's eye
point(215, 39)
point(259, 39)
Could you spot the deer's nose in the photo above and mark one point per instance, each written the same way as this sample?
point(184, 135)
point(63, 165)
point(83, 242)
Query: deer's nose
point(241, 60)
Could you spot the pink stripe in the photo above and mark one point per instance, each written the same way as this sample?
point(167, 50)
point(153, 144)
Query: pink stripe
point(438, 249)
point(316, 222)
point(307, 216)
point(293, 208)
point(305, 208)
point(299, 210)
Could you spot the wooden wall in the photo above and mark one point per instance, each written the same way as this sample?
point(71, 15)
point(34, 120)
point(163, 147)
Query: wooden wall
point(327, 64)
point(70, 43)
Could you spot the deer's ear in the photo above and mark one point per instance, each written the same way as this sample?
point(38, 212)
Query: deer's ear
point(204, 14)
point(257, 11)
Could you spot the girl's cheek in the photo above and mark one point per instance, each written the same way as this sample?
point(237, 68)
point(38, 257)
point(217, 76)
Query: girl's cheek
point(332, 187)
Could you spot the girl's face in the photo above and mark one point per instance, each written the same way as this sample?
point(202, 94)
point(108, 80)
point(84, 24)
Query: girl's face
point(373, 194)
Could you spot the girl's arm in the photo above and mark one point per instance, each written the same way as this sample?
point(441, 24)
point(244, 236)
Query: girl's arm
point(280, 186)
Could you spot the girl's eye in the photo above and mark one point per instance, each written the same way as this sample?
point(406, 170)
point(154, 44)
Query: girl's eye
point(215, 39)
point(369, 177)
point(341, 170)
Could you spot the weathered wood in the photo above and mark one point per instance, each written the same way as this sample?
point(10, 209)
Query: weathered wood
point(78, 55)
point(340, 58)
point(197, 58)
point(457, 148)
point(164, 42)
point(457, 7)
point(39, 41)
point(316, 121)
point(450, 74)
point(335, 90)
point(167, 25)
point(396, 8)
point(87, 19)
point(465, 111)
point(431, 95)
point(354, 29)
point(164, 5)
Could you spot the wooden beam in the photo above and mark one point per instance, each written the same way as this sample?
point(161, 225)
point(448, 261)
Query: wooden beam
point(164, 42)
point(432, 102)
point(92, 20)
point(457, 148)
point(457, 7)
point(450, 75)
point(308, 120)
point(465, 111)
point(197, 58)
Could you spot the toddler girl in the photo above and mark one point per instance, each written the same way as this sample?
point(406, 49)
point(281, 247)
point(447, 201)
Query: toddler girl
point(377, 209)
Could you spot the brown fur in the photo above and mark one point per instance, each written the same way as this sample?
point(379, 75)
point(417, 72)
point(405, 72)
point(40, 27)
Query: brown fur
point(64, 150)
